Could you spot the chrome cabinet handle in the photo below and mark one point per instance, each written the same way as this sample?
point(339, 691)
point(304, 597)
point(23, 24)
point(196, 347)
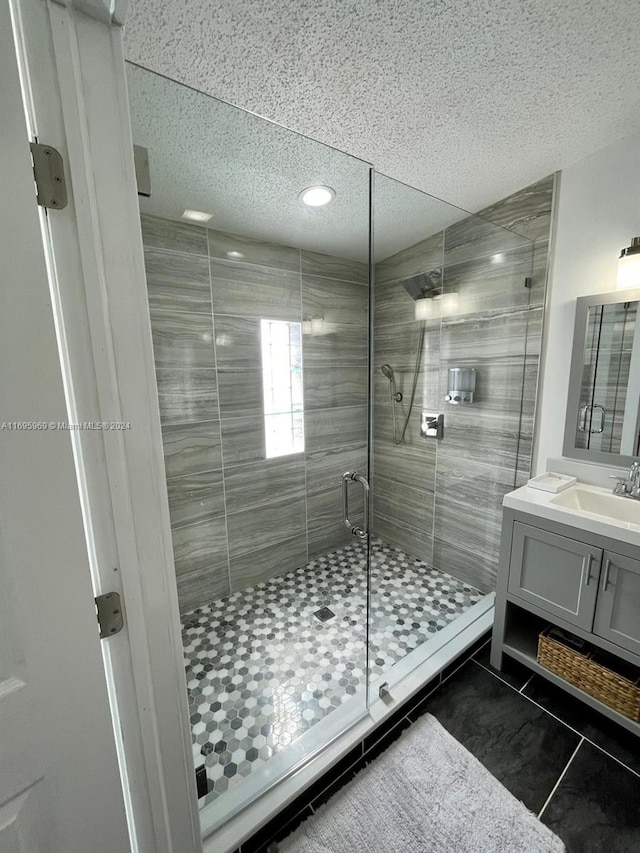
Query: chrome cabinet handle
point(606, 575)
point(587, 568)
point(354, 477)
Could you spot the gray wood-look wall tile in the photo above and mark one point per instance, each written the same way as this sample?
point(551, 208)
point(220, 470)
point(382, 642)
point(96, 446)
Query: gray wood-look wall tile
point(527, 212)
point(191, 448)
point(240, 393)
point(264, 563)
point(237, 342)
point(399, 342)
point(173, 236)
point(479, 569)
point(256, 483)
point(198, 545)
point(539, 275)
point(419, 258)
point(484, 337)
point(468, 508)
point(326, 467)
point(327, 429)
point(242, 440)
point(399, 502)
point(327, 266)
point(324, 509)
point(343, 344)
point(422, 257)
point(495, 437)
point(253, 291)
point(198, 588)
point(495, 283)
point(475, 237)
point(335, 385)
point(392, 304)
point(261, 526)
point(334, 301)
point(414, 466)
point(414, 542)
point(195, 497)
point(535, 319)
point(257, 252)
point(325, 540)
point(178, 282)
point(186, 396)
point(181, 339)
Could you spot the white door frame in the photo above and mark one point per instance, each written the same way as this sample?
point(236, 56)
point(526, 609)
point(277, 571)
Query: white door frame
point(72, 66)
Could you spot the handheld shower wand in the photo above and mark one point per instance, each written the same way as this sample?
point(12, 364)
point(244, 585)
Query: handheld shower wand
point(388, 372)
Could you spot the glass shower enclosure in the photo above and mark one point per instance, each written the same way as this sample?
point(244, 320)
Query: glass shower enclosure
point(334, 509)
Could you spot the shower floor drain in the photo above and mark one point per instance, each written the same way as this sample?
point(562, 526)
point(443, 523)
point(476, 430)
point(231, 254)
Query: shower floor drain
point(324, 614)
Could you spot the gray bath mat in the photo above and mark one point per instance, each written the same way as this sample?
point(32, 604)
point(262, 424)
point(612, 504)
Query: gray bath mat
point(425, 794)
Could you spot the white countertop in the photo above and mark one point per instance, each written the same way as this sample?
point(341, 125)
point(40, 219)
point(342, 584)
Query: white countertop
point(540, 503)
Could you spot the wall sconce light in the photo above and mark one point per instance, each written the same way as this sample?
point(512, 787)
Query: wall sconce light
point(629, 266)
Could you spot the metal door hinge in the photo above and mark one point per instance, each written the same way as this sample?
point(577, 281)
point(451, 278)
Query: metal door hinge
point(48, 171)
point(110, 616)
point(528, 282)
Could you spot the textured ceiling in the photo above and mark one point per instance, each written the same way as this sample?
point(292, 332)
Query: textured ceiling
point(248, 173)
point(467, 100)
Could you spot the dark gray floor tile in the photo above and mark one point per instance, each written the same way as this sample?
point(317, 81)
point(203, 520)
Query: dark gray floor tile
point(521, 745)
point(514, 673)
point(595, 807)
point(606, 734)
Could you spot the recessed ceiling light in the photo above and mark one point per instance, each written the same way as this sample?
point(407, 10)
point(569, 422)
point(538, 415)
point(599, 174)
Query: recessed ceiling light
point(317, 196)
point(235, 255)
point(197, 216)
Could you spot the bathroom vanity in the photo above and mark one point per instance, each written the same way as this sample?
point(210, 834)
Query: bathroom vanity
point(569, 560)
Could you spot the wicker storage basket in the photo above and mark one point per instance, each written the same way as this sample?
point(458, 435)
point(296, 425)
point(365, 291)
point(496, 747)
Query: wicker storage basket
point(590, 670)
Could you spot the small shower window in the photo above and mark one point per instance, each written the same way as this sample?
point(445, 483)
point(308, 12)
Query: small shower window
point(282, 387)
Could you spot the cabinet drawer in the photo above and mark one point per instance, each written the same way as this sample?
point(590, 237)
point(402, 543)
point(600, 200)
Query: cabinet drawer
point(556, 573)
point(618, 608)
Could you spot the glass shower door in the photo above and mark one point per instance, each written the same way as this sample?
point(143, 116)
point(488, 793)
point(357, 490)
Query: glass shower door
point(259, 300)
point(456, 329)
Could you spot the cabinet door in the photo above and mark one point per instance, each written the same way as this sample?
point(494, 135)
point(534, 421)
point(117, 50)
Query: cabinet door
point(618, 609)
point(556, 573)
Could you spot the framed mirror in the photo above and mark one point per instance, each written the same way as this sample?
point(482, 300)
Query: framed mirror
point(603, 404)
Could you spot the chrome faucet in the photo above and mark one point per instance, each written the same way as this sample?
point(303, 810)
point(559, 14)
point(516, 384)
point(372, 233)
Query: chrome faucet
point(629, 486)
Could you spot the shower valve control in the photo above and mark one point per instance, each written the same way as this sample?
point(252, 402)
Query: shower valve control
point(431, 425)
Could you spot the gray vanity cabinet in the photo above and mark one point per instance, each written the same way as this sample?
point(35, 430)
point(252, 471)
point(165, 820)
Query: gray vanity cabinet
point(617, 616)
point(587, 584)
point(556, 573)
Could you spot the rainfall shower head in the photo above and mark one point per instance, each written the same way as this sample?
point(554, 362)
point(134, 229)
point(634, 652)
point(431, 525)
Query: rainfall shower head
point(423, 285)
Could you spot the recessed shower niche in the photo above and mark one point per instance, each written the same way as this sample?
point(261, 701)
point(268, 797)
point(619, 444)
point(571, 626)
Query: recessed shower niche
point(281, 365)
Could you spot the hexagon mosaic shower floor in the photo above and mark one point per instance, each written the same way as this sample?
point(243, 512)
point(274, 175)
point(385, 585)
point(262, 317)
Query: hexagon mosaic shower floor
point(262, 669)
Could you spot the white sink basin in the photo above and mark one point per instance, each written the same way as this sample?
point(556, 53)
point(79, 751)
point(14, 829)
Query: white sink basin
point(599, 502)
point(586, 507)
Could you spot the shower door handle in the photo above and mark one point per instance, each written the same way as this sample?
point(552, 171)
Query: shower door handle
point(353, 476)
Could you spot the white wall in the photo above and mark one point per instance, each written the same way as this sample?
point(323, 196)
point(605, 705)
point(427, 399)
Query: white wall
point(597, 213)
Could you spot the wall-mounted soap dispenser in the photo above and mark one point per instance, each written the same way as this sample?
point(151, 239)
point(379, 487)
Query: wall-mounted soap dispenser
point(462, 384)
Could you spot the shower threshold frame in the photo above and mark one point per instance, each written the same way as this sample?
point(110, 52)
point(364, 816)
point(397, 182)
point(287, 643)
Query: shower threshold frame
point(289, 774)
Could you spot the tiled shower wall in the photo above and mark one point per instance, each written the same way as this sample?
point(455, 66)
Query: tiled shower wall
point(441, 500)
point(238, 518)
